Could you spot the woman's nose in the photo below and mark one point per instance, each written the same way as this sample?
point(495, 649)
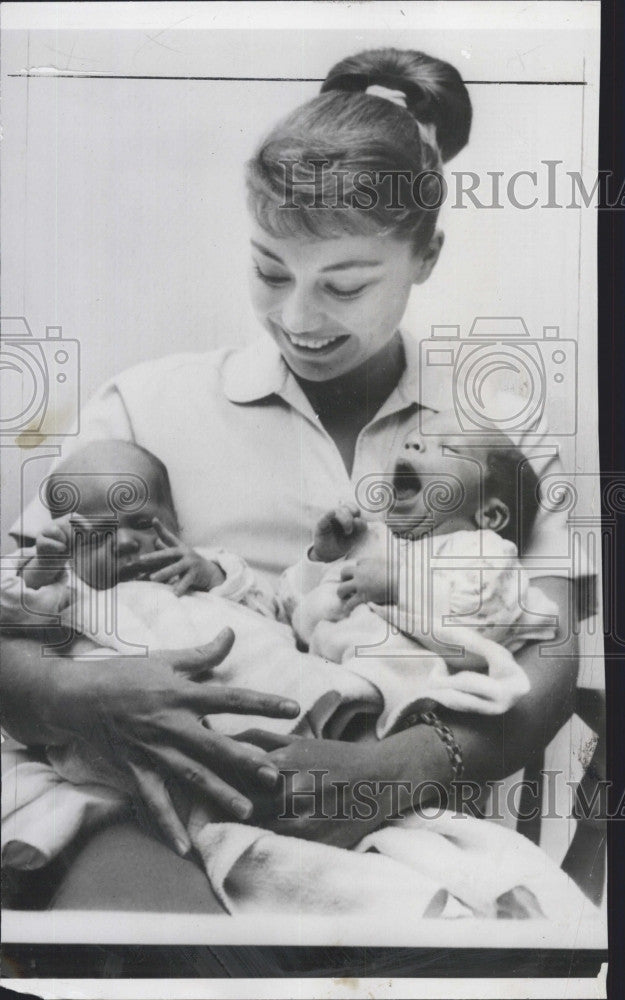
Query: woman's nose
point(300, 313)
point(126, 542)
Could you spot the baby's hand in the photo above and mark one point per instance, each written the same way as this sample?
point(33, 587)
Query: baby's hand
point(181, 565)
point(52, 549)
point(336, 533)
point(366, 580)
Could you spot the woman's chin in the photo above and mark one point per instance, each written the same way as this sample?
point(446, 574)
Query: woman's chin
point(316, 364)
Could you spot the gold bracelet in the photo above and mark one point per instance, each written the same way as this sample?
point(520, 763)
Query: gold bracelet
point(444, 733)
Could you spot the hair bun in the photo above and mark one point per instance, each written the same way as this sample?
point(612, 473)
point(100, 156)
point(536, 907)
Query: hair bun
point(435, 92)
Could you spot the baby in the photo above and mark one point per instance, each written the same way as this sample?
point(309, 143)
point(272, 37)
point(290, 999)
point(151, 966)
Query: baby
point(115, 571)
point(112, 567)
point(439, 588)
point(121, 511)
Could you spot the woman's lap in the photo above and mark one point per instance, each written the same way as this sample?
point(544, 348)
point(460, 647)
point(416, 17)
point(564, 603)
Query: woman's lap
point(122, 868)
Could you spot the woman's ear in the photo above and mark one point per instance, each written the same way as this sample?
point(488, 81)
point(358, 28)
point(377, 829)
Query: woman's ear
point(493, 514)
point(426, 259)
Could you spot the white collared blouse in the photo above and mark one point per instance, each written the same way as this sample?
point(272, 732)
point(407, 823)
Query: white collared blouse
point(251, 467)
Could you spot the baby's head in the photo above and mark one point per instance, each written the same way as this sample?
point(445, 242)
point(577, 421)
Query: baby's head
point(445, 481)
point(103, 555)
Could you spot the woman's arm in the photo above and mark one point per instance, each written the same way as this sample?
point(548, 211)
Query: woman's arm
point(144, 716)
point(496, 746)
point(492, 747)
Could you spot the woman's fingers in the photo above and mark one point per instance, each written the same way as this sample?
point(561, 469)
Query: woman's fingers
point(266, 740)
point(196, 663)
point(203, 748)
point(164, 533)
point(205, 699)
point(233, 760)
point(222, 698)
point(237, 759)
point(151, 788)
point(199, 778)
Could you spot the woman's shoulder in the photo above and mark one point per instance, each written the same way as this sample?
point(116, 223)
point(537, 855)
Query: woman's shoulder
point(187, 365)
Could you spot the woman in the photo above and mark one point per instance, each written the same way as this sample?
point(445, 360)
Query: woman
point(258, 445)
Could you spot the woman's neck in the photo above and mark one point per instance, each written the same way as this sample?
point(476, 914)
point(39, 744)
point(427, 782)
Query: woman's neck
point(346, 404)
point(361, 392)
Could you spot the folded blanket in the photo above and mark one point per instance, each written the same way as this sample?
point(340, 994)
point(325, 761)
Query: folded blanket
point(435, 864)
point(432, 865)
point(42, 812)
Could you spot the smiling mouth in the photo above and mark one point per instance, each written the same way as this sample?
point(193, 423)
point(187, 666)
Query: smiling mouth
point(314, 345)
point(406, 482)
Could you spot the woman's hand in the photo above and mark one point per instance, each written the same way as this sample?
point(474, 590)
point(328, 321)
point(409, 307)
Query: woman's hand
point(331, 791)
point(177, 563)
point(336, 533)
point(145, 718)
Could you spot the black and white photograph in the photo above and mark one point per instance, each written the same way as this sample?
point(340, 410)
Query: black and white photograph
point(304, 535)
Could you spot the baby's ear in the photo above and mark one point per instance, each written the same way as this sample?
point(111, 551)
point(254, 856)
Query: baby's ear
point(493, 514)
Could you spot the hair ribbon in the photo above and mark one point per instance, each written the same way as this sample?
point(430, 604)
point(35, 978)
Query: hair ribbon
point(396, 96)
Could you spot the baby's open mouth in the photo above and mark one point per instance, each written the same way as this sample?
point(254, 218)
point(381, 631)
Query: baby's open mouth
point(406, 482)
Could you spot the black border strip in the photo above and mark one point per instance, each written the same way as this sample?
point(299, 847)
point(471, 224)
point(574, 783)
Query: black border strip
point(210, 962)
point(611, 373)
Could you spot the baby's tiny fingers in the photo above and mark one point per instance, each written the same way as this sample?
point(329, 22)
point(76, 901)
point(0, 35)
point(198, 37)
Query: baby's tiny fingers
point(345, 519)
point(185, 583)
point(168, 572)
point(52, 546)
point(345, 590)
point(164, 533)
point(352, 602)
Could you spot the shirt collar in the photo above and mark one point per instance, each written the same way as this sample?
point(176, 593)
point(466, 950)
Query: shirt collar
point(254, 372)
point(259, 370)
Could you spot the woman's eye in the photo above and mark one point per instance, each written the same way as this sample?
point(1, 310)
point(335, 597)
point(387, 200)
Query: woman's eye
point(345, 293)
point(274, 280)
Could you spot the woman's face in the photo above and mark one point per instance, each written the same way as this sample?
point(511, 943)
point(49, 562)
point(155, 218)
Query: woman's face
point(331, 304)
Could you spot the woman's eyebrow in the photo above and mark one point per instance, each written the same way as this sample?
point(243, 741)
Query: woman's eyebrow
point(341, 266)
point(267, 252)
point(346, 264)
